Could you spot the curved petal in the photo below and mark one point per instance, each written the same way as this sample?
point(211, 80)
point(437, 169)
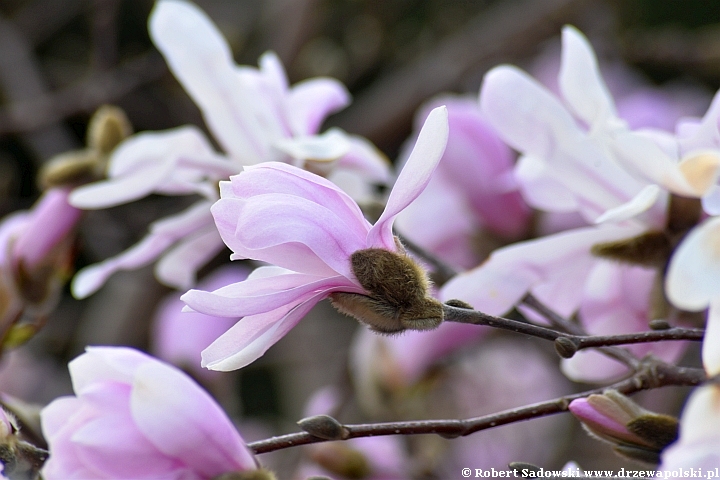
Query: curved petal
point(250, 338)
point(540, 189)
point(275, 177)
point(104, 364)
point(327, 146)
point(202, 61)
point(163, 234)
point(290, 232)
point(311, 101)
point(694, 270)
point(178, 267)
point(414, 176)
point(640, 203)
point(116, 191)
point(259, 295)
point(580, 81)
point(552, 267)
point(176, 415)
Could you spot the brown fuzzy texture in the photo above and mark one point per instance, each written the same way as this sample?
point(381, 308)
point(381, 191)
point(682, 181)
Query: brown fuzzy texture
point(651, 249)
point(397, 297)
point(659, 430)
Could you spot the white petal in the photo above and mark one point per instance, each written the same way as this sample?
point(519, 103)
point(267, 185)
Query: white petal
point(694, 272)
point(540, 189)
point(179, 266)
point(640, 203)
point(331, 145)
point(580, 80)
point(711, 342)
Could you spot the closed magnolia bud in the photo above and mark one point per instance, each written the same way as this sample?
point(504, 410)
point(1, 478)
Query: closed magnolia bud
point(323, 426)
point(633, 431)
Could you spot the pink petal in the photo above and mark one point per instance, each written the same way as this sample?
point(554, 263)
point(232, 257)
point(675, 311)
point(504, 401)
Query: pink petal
point(104, 364)
point(184, 422)
point(49, 223)
point(202, 61)
point(413, 178)
point(311, 101)
point(163, 234)
point(551, 266)
point(327, 146)
point(365, 159)
point(313, 239)
point(116, 191)
point(258, 295)
point(178, 267)
point(250, 338)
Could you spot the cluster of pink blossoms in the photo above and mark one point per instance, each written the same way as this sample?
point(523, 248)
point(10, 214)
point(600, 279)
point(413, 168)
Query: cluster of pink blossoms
point(287, 197)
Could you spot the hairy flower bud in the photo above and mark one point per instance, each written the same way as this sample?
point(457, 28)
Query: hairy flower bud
point(397, 297)
point(634, 432)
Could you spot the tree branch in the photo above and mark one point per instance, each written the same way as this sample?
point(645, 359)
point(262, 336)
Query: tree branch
point(653, 374)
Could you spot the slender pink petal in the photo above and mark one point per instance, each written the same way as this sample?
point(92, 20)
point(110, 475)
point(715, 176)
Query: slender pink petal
point(259, 295)
point(179, 265)
point(414, 177)
point(116, 191)
point(163, 234)
point(202, 61)
point(552, 267)
point(250, 338)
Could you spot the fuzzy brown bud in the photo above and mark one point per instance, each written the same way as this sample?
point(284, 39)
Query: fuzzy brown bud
point(398, 297)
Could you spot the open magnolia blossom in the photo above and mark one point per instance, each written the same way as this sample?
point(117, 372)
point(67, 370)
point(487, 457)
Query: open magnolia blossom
point(593, 171)
point(133, 416)
point(253, 114)
point(321, 246)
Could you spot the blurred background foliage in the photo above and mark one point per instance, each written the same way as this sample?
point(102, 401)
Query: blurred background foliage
point(61, 59)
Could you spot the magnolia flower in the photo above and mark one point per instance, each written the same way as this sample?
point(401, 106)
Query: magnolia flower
point(320, 244)
point(35, 248)
point(254, 115)
point(567, 168)
point(133, 416)
point(472, 191)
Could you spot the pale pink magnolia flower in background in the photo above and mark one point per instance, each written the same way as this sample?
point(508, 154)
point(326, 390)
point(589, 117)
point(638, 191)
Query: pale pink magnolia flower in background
point(35, 254)
point(568, 168)
point(133, 416)
point(399, 362)
point(180, 337)
point(473, 189)
point(307, 228)
point(615, 301)
point(253, 114)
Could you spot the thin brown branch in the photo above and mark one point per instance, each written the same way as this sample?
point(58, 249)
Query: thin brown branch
point(569, 341)
point(654, 374)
